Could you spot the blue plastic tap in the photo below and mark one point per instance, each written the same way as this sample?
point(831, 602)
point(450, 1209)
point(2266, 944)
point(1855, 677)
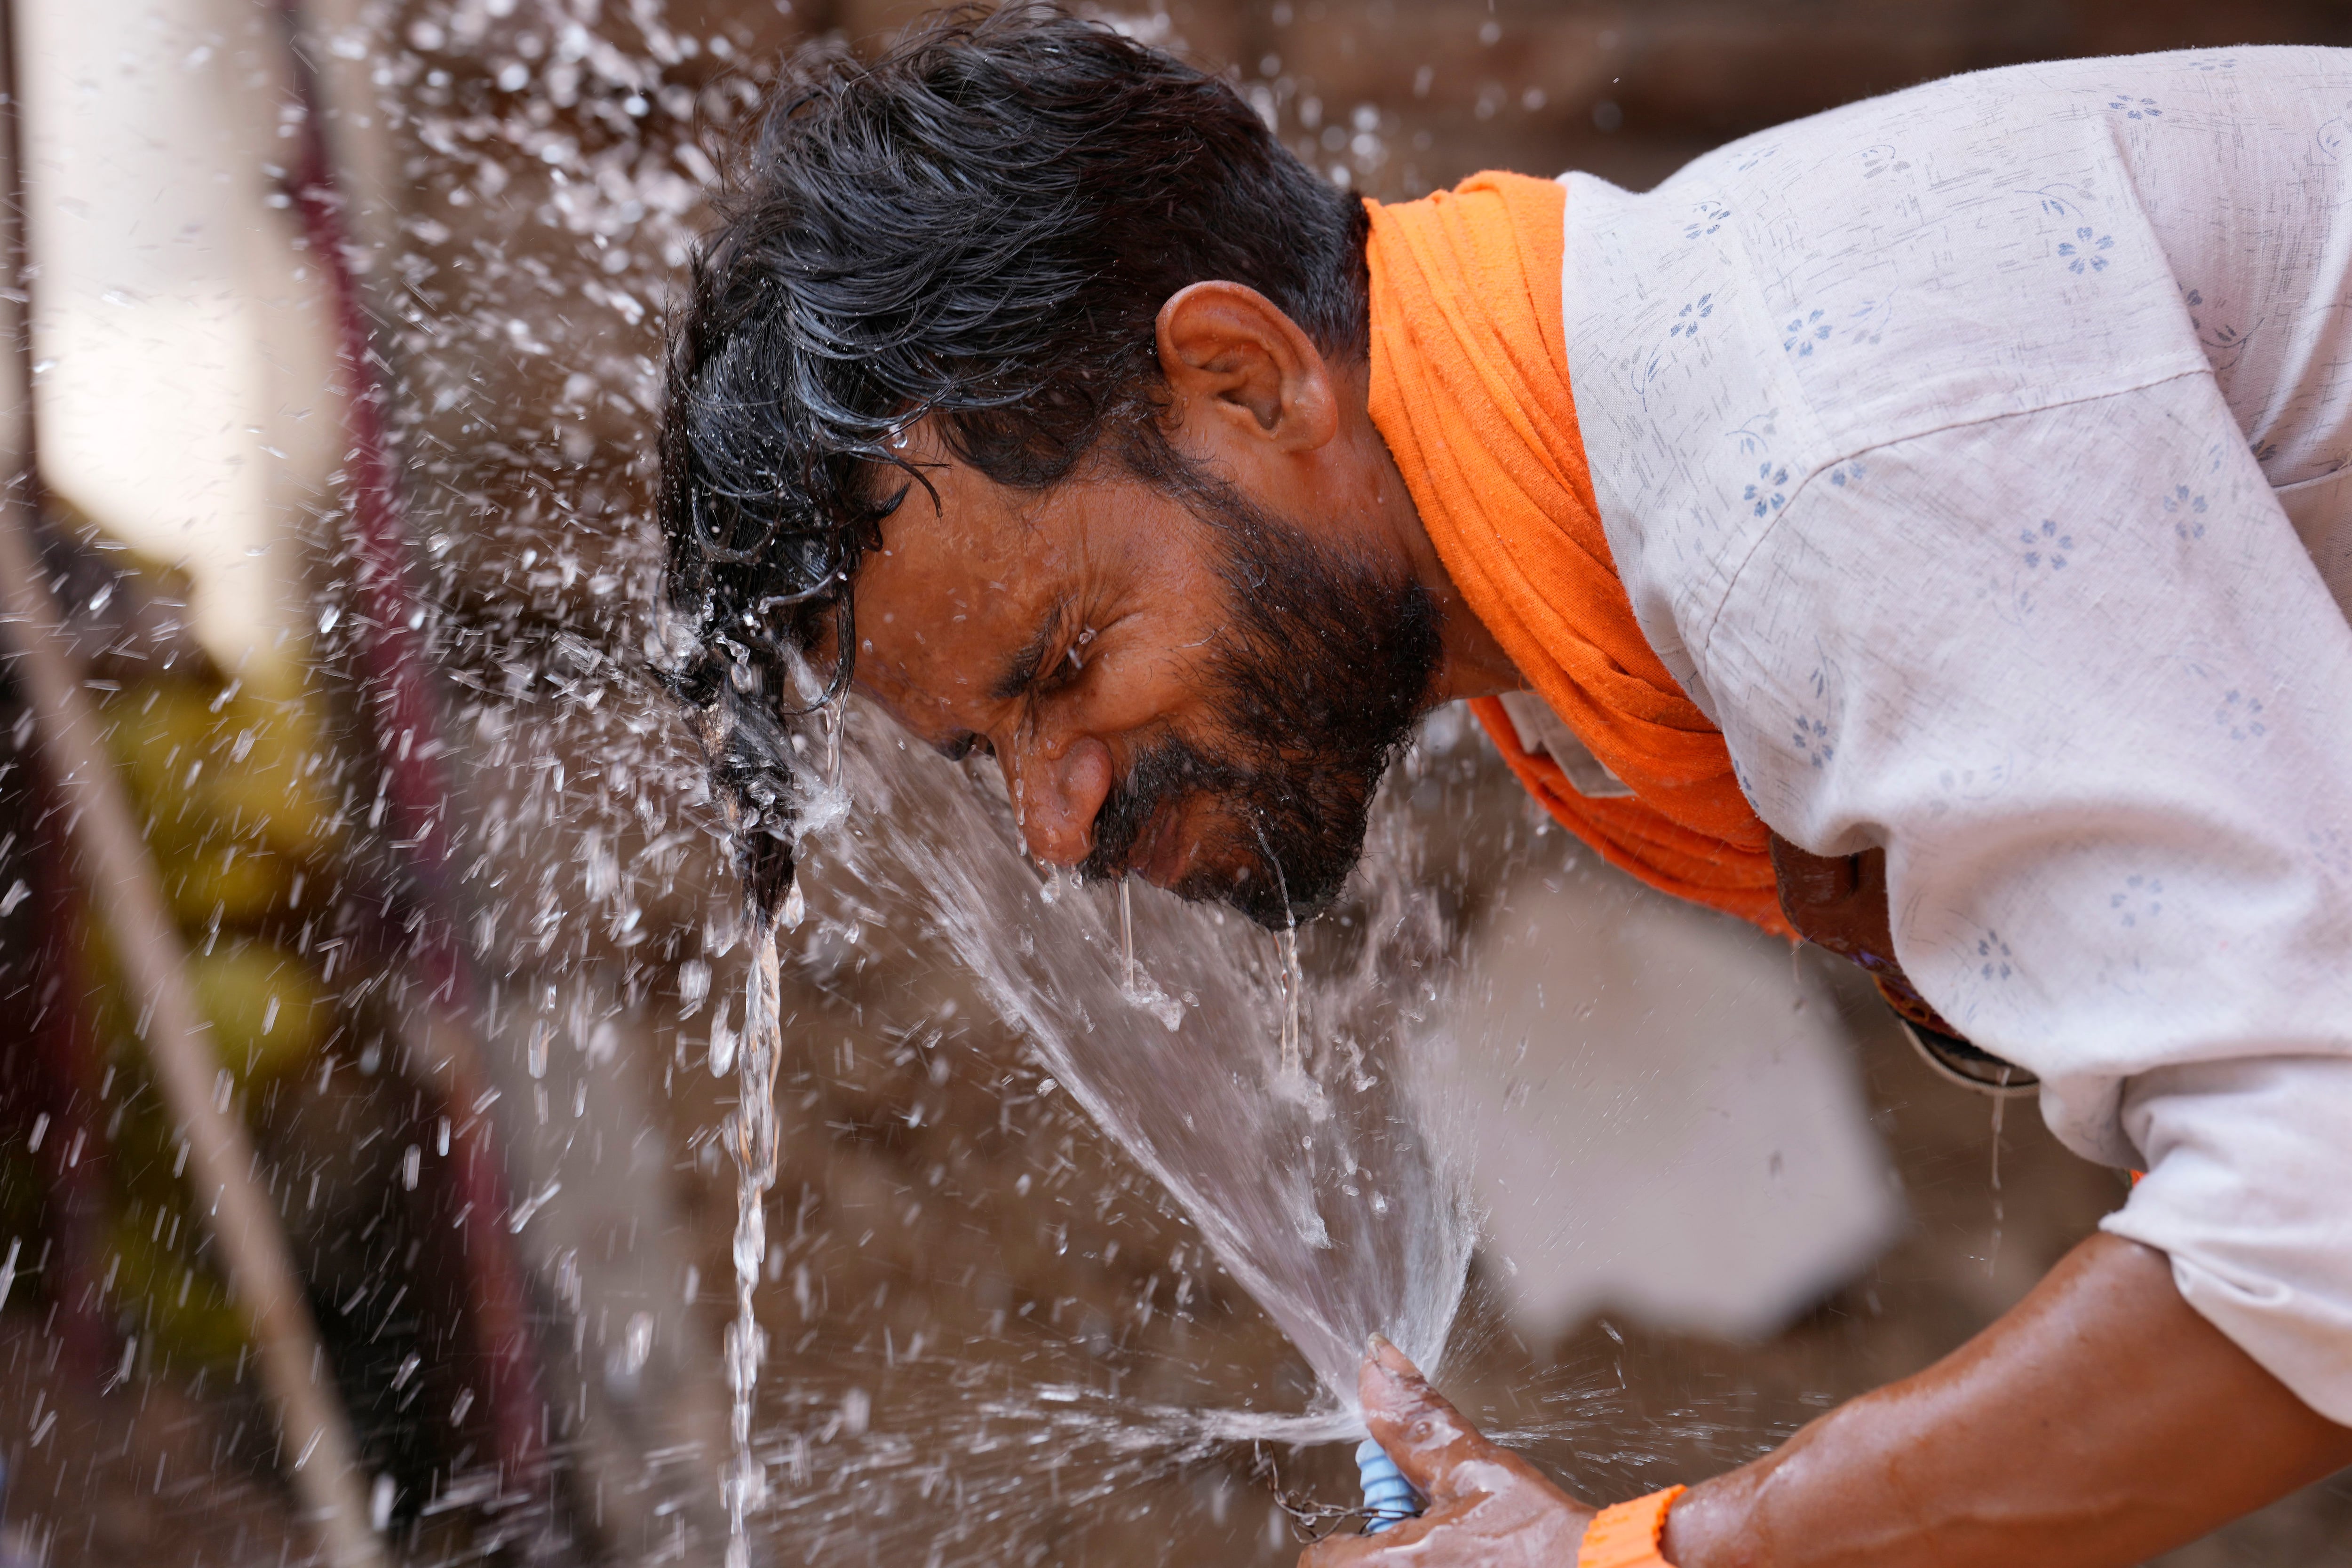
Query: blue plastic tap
point(1389, 1498)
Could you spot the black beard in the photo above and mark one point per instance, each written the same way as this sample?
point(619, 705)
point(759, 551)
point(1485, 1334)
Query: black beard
point(1317, 679)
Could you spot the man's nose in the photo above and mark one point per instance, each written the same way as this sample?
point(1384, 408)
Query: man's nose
point(1057, 789)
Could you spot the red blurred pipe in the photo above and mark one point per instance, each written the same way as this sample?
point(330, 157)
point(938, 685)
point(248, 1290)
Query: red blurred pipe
point(73, 1155)
point(398, 693)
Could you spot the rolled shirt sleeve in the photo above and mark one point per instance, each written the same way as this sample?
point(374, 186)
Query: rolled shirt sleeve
point(2246, 1191)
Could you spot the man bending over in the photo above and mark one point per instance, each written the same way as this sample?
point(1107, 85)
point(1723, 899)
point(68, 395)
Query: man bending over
point(1926, 528)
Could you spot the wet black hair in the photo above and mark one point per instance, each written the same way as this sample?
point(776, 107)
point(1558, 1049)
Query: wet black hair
point(979, 227)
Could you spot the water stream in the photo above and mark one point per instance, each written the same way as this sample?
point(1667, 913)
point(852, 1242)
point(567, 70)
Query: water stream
point(1292, 1112)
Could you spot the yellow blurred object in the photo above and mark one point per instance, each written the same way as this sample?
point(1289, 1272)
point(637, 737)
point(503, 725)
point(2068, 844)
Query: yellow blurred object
point(206, 877)
point(275, 782)
point(187, 1311)
point(229, 785)
point(269, 1014)
point(267, 1008)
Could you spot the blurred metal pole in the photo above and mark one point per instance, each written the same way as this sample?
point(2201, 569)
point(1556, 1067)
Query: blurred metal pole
point(315, 1435)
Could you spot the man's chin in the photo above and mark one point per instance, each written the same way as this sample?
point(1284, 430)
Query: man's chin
point(1276, 913)
point(1195, 849)
point(1252, 890)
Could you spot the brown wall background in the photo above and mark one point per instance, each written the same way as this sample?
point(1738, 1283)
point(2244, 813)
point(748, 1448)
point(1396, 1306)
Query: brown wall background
point(1627, 91)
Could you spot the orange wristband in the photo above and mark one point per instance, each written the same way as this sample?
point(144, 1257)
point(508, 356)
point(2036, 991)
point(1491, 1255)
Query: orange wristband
point(1625, 1535)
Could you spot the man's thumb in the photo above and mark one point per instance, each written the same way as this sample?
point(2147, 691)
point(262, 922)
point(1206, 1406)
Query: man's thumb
point(1426, 1437)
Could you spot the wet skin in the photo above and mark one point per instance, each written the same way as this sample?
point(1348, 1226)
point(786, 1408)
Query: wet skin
point(1066, 631)
point(2100, 1421)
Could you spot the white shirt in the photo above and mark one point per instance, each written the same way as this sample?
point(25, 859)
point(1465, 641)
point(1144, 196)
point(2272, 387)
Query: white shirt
point(1980, 458)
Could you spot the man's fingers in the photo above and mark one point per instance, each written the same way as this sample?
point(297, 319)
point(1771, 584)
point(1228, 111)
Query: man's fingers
point(1351, 1551)
point(1338, 1552)
point(1426, 1437)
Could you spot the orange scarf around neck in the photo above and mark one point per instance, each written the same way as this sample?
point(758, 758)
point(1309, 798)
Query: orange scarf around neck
point(1470, 391)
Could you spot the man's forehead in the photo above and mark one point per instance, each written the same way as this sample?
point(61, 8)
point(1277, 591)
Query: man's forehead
point(967, 531)
point(966, 573)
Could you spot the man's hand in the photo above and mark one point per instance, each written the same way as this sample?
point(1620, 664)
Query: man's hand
point(1487, 1508)
point(2102, 1421)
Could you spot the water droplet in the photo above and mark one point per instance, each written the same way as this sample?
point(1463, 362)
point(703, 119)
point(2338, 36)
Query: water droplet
point(722, 1044)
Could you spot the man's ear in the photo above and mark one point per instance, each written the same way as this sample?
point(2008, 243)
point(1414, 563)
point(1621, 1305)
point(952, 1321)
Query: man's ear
point(1229, 353)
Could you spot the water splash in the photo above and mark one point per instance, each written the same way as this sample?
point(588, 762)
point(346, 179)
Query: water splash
point(1295, 1123)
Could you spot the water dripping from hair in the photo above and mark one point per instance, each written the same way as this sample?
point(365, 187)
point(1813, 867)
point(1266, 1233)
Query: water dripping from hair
point(837, 716)
point(754, 1147)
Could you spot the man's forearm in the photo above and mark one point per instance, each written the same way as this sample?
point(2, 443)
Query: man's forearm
point(2101, 1421)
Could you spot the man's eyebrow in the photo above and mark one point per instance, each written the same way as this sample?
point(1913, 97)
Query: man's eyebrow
point(1022, 669)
